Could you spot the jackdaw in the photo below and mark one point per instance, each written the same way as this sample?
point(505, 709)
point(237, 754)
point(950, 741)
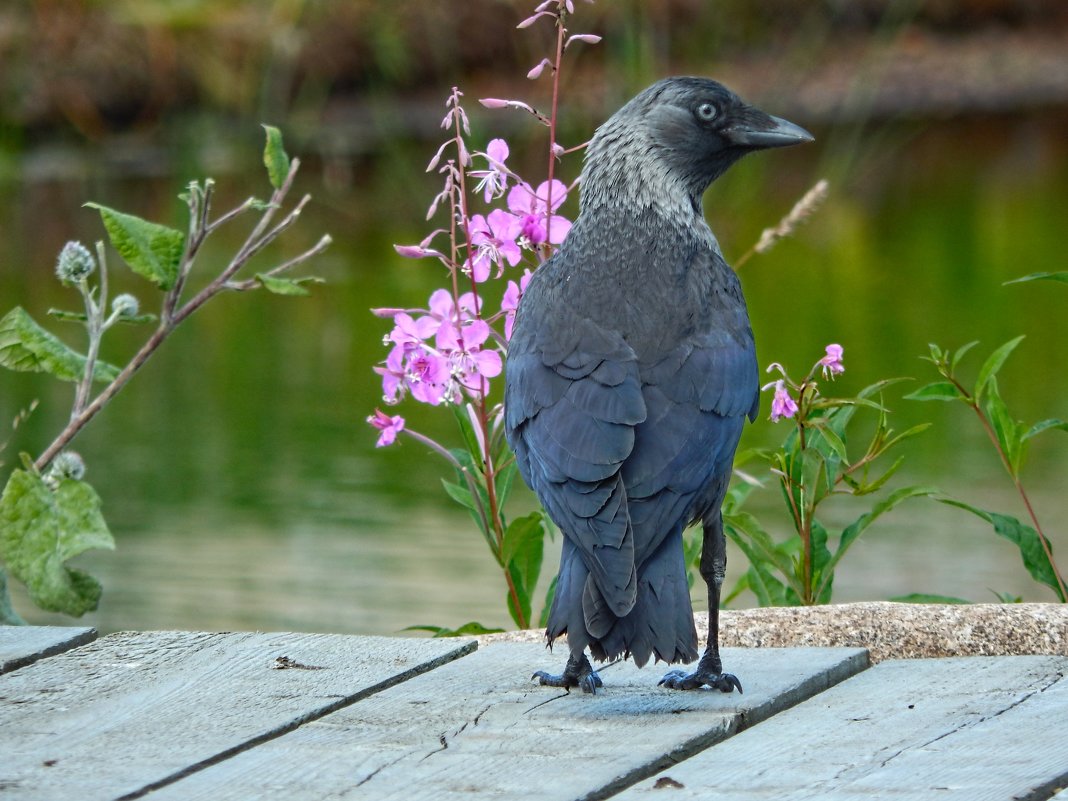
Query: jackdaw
point(631, 369)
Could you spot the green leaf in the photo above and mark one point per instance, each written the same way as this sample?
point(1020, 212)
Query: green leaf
point(833, 440)
point(26, 347)
point(521, 552)
point(274, 157)
point(1007, 597)
point(919, 428)
point(137, 319)
point(740, 586)
point(68, 316)
point(287, 286)
point(1005, 428)
point(822, 574)
point(467, 629)
point(1062, 277)
point(747, 532)
point(960, 354)
point(768, 589)
point(866, 487)
point(459, 494)
point(8, 615)
point(927, 598)
point(41, 528)
point(505, 481)
point(462, 495)
point(939, 390)
point(993, 364)
point(1024, 537)
point(1045, 425)
point(763, 555)
point(153, 251)
point(879, 386)
point(467, 431)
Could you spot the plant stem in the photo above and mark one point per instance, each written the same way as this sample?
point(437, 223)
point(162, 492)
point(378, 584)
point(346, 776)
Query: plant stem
point(560, 33)
point(172, 315)
point(79, 422)
point(992, 435)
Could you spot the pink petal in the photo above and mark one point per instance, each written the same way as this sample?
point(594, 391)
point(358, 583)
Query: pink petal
point(557, 192)
point(521, 199)
point(488, 363)
point(497, 150)
point(558, 228)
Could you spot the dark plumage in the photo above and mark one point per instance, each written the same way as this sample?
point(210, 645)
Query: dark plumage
point(631, 369)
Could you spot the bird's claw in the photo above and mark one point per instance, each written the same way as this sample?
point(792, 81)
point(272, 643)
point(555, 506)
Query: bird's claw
point(588, 681)
point(680, 680)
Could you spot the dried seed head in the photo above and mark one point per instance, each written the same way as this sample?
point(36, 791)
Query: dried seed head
point(125, 305)
point(68, 465)
point(802, 210)
point(75, 262)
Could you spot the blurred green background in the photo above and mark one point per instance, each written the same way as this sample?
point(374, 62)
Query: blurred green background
point(237, 473)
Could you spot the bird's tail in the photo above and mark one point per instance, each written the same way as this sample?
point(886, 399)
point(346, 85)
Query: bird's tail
point(660, 624)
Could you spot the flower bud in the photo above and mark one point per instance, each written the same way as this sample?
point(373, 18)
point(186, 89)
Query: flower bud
point(125, 305)
point(75, 262)
point(68, 465)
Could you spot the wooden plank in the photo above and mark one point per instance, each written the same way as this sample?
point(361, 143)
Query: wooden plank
point(134, 711)
point(977, 728)
point(479, 727)
point(24, 645)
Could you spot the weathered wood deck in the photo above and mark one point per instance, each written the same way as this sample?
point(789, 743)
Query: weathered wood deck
point(187, 715)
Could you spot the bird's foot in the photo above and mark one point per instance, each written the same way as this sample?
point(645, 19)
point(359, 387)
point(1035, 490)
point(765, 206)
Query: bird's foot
point(681, 680)
point(577, 673)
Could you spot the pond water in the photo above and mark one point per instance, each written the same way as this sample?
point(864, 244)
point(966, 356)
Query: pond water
point(242, 484)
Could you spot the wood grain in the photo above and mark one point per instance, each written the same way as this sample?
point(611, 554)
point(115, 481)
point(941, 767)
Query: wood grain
point(24, 645)
point(978, 728)
point(135, 711)
point(479, 728)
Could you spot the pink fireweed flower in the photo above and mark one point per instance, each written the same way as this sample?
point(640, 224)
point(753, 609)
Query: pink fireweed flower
point(446, 311)
point(493, 238)
point(782, 405)
point(537, 217)
point(389, 426)
point(469, 363)
point(495, 179)
point(417, 370)
point(426, 374)
point(510, 302)
point(409, 332)
point(832, 362)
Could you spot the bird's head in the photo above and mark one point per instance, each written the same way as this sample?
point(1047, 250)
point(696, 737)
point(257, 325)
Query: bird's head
point(676, 138)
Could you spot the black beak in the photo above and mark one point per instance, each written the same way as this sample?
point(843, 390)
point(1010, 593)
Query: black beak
point(768, 132)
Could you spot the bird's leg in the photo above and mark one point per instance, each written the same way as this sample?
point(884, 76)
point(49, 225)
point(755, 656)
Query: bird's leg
point(578, 672)
point(713, 569)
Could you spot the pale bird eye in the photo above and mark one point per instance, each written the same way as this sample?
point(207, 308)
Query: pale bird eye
point(706, 111)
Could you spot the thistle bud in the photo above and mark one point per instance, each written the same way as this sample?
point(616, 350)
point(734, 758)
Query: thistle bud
point(75, 262)
point(125, 305)
point(68, 465)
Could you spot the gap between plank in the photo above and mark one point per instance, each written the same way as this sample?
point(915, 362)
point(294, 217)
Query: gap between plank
point(222, 756)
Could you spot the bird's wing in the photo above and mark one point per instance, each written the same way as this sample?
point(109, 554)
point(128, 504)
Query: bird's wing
point(572, 400)
point(696, 398)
